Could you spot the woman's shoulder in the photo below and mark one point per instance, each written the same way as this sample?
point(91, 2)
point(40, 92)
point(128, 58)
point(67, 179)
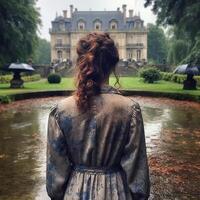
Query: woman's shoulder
point(119, 103)
point(67, 106)
point(66, 102)
point(64, 105)
point(121, 100)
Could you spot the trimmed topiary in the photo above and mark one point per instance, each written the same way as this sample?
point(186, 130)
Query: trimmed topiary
point(54, 78)
point(150, 74)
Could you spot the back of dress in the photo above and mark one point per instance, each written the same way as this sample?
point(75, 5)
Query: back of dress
point(99, 154)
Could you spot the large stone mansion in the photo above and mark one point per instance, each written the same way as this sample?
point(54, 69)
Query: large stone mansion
point(128, 32)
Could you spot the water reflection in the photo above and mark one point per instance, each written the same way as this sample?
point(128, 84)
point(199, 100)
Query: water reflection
point(22, 150)
point(172, 132)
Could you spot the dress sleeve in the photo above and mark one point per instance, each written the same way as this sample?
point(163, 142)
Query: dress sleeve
point(134, 160)
point(58, 166)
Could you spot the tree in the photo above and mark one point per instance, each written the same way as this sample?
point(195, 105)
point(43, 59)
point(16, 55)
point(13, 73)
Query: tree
point(19, 20)
point(42, 53)
point(184, 16)
point(194, 55)
point(179, 45)
point(157, 45)
point(178, 51)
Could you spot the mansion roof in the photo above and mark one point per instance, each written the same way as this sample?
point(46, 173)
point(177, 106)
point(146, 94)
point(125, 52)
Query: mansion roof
point(88, 18)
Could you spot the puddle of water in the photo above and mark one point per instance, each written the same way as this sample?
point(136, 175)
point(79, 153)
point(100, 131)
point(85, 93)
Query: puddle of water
point(172, 136)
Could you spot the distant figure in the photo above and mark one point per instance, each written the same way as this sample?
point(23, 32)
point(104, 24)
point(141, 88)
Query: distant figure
point(96, 144)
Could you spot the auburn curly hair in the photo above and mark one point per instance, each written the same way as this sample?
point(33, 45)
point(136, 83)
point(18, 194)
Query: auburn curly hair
point(97, 58)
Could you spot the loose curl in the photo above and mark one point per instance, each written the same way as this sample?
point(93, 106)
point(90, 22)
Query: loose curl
point(97, 58)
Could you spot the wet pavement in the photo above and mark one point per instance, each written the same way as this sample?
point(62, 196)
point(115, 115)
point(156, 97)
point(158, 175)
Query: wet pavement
point(172, 130)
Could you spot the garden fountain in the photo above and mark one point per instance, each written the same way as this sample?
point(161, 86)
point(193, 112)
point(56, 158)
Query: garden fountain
point(190, 70)
point(17, 68)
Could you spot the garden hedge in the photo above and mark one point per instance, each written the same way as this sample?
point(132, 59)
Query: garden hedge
point(177, 78)
point(8, 78)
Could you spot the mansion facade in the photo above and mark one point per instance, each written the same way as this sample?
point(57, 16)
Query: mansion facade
point(128, 32)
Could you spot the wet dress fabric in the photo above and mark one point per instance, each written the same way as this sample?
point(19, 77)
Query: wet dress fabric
point(99, 154)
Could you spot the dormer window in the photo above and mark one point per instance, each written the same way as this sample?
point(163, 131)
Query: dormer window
point(62, 26)
point(113, 25)
point(81, 25)
point(97, 25)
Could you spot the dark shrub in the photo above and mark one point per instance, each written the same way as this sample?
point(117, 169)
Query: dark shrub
point(54, 78)
point(150, 74)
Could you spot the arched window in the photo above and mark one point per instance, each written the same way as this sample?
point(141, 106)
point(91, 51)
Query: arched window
point(97, 25)
point(81, 25)
point(138, 55)
point(59, 55)
point(113, 25)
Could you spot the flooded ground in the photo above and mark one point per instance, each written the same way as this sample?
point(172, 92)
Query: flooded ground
point(172, 135)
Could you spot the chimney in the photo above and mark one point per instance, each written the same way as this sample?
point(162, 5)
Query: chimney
point(130, 13)
point(65, 13)
point(118, 9)
point(71, 10)
point(124, 11)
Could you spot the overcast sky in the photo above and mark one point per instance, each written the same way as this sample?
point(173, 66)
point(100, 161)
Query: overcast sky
point(48, 9)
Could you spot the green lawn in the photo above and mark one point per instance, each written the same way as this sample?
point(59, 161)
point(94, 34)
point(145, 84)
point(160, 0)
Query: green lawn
point(132, 83)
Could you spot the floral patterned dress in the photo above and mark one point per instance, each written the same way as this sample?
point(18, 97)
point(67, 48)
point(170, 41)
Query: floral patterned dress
point(100, 154)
